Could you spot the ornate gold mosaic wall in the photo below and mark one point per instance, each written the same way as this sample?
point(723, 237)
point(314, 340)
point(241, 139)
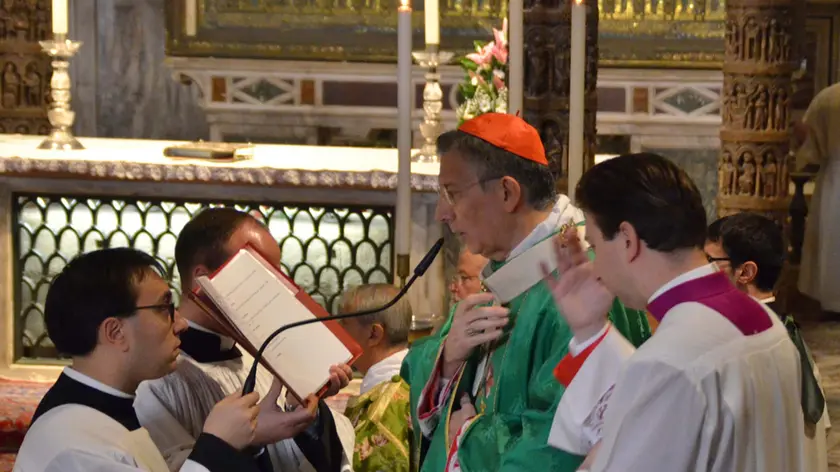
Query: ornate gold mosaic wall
point(671, 33)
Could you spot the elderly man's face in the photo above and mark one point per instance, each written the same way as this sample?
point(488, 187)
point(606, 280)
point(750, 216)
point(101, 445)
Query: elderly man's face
point(473, 211)
point(467, 281)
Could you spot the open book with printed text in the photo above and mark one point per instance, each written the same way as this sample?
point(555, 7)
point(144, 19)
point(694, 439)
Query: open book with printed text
point(251, 298)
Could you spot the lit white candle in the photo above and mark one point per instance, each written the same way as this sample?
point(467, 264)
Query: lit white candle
point(577, 71)
point(516, 53)
point(432, 21)
point(190, 17)
point(59, 16)
point(404, 106)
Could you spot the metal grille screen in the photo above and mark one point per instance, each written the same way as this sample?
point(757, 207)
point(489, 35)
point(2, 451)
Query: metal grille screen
point(325, 248)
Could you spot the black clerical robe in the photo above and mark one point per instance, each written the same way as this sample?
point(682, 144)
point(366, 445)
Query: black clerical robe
point(175, 407)
point(84, 425)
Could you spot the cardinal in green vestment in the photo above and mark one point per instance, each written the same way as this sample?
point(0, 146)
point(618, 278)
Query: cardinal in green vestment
point(483, 390)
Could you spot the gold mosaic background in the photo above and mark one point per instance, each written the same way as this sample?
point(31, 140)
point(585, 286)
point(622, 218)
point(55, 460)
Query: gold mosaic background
point(672, 33)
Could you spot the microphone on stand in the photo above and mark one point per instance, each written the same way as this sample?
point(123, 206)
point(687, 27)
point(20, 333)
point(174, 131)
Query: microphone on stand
point(419, 270)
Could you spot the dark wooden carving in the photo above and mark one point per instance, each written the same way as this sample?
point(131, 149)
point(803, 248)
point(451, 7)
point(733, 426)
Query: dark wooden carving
point(756, 103)
point(547, 28)
point(24, 69)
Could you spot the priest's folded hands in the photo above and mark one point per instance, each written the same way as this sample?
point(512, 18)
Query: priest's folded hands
point(474, 324)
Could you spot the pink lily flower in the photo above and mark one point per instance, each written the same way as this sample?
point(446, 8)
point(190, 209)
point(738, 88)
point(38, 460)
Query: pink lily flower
point(500, 53)
point(498, 82)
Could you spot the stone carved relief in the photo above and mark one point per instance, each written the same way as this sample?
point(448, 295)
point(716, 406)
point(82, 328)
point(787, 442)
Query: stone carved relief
point(24, 71)
point(24, 20)
point(24, 126)
point(752, 170)
point(758, 38)
point(756, 103)
point(24, 82)
point(546, 94)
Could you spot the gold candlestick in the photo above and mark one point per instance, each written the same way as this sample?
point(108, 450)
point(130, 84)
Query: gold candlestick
point(60, 115)
point(430, 59)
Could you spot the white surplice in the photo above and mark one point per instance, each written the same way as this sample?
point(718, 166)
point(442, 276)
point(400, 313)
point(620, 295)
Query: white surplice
point(383, 371)
point(701, 395)
point(820, 268)
point(78, 438)
point(173, 409)
point(579, 420)
point(816, 447)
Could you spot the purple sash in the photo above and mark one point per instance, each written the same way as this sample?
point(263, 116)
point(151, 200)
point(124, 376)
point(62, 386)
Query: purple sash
point(716, 292)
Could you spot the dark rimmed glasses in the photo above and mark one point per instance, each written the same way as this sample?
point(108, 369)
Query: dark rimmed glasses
point(169, 307)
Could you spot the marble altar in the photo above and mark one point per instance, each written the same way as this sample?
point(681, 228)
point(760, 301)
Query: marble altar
point(331, 209)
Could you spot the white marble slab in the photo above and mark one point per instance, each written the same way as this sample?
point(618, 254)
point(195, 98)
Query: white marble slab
point(273, 165)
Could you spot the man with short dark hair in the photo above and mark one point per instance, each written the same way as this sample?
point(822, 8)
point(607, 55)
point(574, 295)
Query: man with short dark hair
point(174, 407)
point(711, 390)
point(750, 249)
point(112, 313)
point(483, 389)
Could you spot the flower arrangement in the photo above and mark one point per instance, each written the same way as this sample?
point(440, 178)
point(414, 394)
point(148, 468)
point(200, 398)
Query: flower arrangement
point(484, 89)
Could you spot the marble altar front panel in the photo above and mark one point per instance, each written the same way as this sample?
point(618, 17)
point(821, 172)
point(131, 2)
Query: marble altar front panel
point(331, 210)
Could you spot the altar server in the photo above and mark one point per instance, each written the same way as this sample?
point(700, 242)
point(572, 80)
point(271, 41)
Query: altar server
point(750, 249)
point(483, 393)
point(716, 387)
point(820, 268)
point(174, 408)
point(111, 311)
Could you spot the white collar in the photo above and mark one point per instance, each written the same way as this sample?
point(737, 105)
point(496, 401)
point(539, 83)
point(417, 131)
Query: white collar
point(93, 383)
point(226, 342)
point(562, 212)
point(701, 271)
point(522, 269)
point(768, 300)
point(383, 371)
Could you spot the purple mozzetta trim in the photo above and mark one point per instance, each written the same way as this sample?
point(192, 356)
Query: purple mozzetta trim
point(716, 292)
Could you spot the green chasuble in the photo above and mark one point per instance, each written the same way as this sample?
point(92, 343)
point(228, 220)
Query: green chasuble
point(511, 430)
point(383, 428)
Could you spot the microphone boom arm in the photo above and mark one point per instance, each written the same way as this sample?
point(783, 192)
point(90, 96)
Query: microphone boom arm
point(422, 267)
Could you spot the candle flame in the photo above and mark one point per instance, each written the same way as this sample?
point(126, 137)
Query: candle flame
point(404, 4)
point(579, 2)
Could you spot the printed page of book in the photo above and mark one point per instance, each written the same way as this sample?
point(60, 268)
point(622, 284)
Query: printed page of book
point(257, 302)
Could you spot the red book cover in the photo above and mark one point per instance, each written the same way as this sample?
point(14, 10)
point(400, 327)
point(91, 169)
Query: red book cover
point(204, 301)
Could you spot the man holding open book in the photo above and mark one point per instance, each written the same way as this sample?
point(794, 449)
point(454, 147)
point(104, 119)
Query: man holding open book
point(483, 390)
point(232, 258)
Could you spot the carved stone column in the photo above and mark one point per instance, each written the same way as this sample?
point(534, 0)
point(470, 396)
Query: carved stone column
point(757, 89)
point(24, 69)
point(547, 32)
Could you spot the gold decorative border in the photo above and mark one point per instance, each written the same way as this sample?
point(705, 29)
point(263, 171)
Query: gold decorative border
point(625, 40)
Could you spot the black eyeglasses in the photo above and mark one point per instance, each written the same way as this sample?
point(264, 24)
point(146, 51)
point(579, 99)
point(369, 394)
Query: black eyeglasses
point(169, 307)
point(717, 259)
point(449, 196)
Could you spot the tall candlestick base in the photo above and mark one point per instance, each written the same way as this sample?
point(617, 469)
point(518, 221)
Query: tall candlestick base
point(60, 115)
point(403, 268)
point(430, 128)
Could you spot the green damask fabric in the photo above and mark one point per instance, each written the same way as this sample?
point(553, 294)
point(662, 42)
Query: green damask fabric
point(512, 433)
point(383, 428)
